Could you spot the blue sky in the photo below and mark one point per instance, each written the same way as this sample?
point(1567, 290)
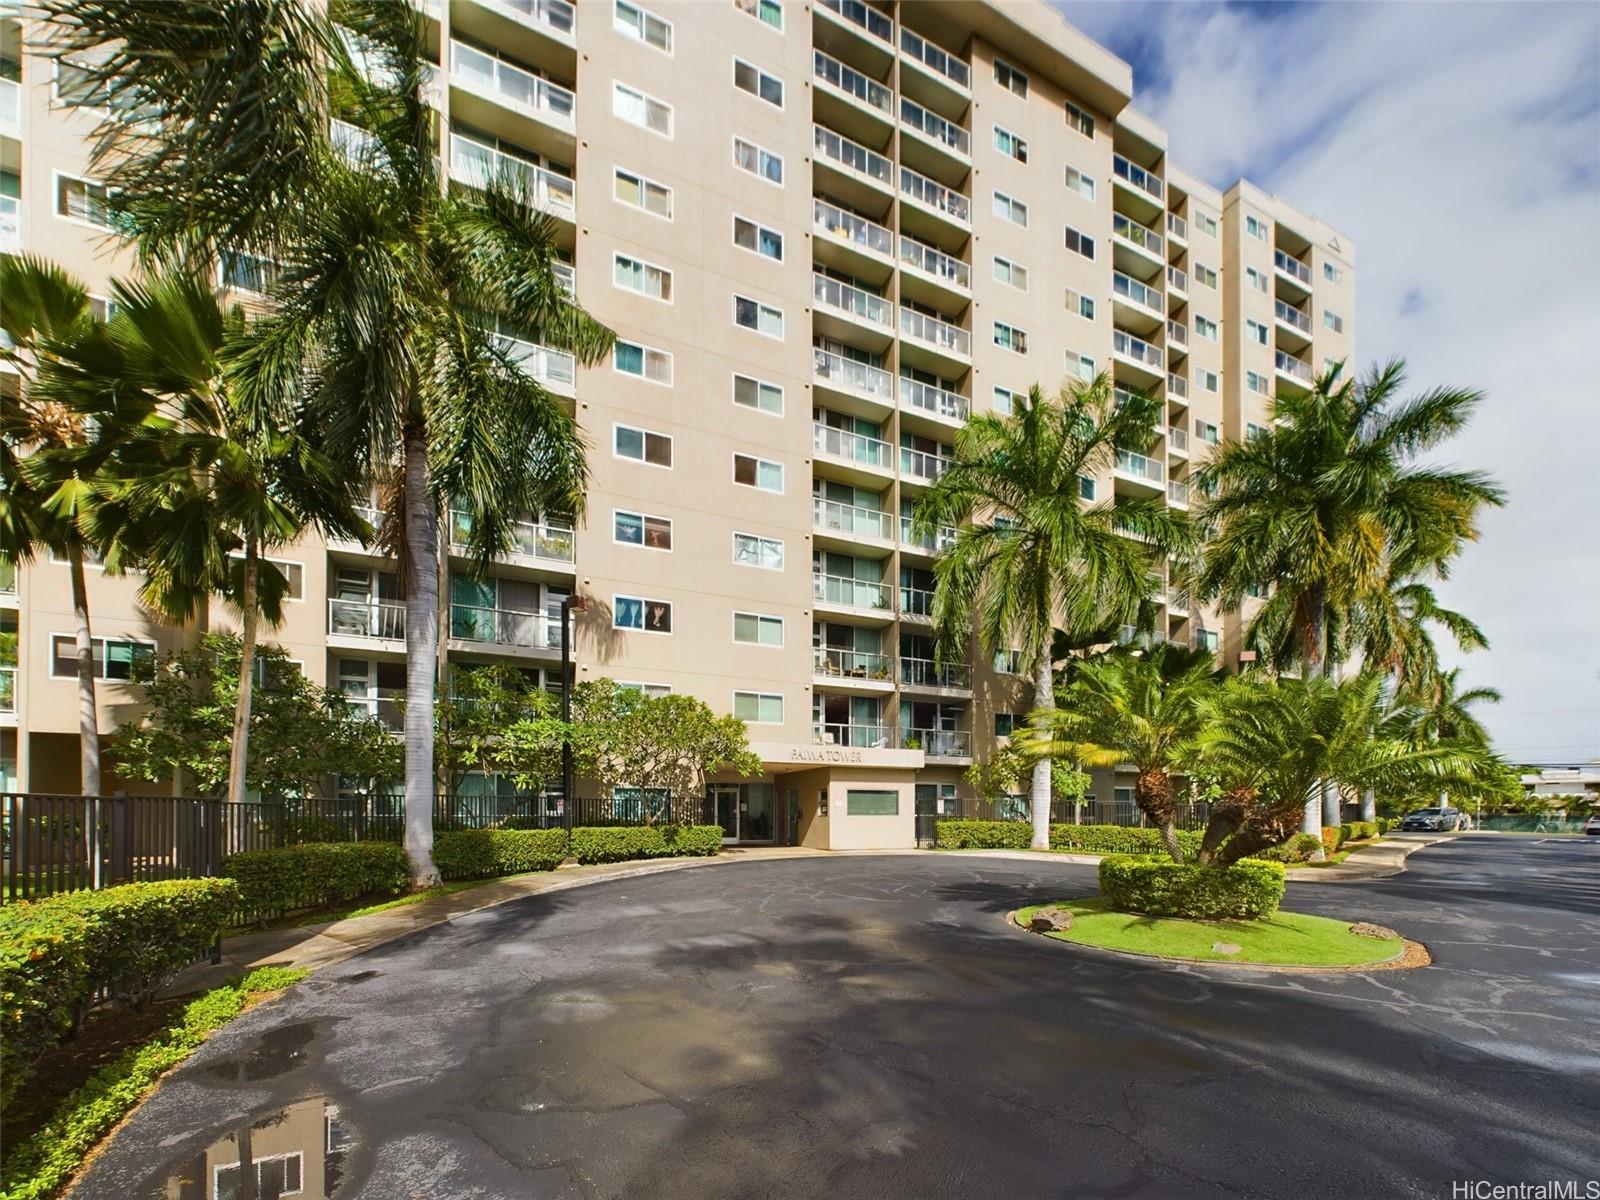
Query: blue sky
point(1459, 146)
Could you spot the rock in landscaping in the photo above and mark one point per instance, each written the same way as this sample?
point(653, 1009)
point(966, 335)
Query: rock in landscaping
point(1225, 947)
point(1051, 920)
point(1368, 929)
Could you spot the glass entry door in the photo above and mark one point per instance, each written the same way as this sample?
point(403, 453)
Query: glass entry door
point(744, 810)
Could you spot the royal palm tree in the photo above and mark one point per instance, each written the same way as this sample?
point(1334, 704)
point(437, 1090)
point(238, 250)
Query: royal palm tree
point(1393, 631)
point(1029, 552)
point(1446, 710)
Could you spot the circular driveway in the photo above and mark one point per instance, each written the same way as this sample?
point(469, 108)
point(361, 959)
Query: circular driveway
point(869, 1027)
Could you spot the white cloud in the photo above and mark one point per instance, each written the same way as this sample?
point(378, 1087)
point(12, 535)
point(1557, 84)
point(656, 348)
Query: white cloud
point(1459, 145)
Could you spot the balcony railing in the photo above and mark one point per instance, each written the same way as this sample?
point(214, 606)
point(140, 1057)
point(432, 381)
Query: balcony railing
point(530, 539)
point(553, 368)
point(857, 737)
point(925, 258)
point(1132, 173)
point(557, 15)
point(938, 743)
point(933, 543)
point(1140, 466)
point(1290, 315)
point(919, 187)
point(847, 227)
point(388, 706)
point(941, 62)
point(1177, 281)
point(935, 401)
point(1177, 386)
point(10, 218)
point(476, 164)
point(1292, 266)
point(854, 520)
point(863, 16)
point(8, 689)
point(921, 465)
point(1130, 288)
point(354, 143)
point(1140, 235)
point(935, 127)
point(1129, 346)
point(924, 672)
point(501, 79)
point(501, 627)
point(1178, 492)
point(853, 155)
point(849, 375)
point(856, 301)
point(852, 82)
point(10, 105)
point(848, 592)
point(1290, 365)
point(381, 620)
point(916, 602)
point(8, 577)
point(1177, 227)
point(841, 443)
point(849, 664)
point(1129, 635)
point(1177, 439)
point(1177, 333)
point(923, 328)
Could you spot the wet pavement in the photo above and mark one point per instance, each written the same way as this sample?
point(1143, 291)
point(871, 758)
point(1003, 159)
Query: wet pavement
point(870, 1027)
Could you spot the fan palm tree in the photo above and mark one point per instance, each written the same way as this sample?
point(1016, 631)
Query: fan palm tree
point(1143, 709)
point(1030, 553)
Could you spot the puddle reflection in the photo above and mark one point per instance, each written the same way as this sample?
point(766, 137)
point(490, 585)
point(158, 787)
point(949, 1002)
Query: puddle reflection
point(298, 1151)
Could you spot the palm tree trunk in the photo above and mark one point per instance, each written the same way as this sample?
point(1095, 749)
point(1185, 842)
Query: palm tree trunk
point(422, 638)
point(239, 754)
point(88, 716)
point(1044, 697)
point(1369, 805)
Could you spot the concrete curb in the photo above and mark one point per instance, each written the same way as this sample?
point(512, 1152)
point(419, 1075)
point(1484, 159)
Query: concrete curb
point(1370, 862)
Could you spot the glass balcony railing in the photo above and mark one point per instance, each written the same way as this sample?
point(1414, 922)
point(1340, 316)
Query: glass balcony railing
point(854, 447)
point(936, 196)
point(556, 369)
point(523, 89)
point(836, 223)
point(380, 620)
point(1177, 227)
point(529, 539)
point(851, 376)
point(849, 593)
point(556, 15)
point(853, 520)
point(10, 218)
point(1292, 266)
point(1177, 281)
point(1140, 235)
point(935, 401)
point(1130, 172)
point(1177, 333)
point(1292, 316)
point(863, 16)
point(1177, 439)
point(857, 301)
point(501, 627)
point(8, 689)
point(565, 277)
point(1140, 466)
point(938, 743)
point(10, 105)
point(1178, 492)
point(8, 577)
point(923, 328)
point(1290, 365)
point(476, 164)
point(1129, 635)
point(1137, 349)
point(918, 464)
point(935, 127)
point(387, 705)
point(852, 82)
point(827, 661)
point(924, 672)
point(1177, 386)
point(1131, 289)
point(858, 737)
point(852, 155)
point(354, 143)
point(916, 602)
point(925, 258)
point(933, 543)
point(941, 62)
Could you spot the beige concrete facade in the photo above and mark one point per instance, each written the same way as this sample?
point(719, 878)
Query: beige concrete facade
point(826, 233)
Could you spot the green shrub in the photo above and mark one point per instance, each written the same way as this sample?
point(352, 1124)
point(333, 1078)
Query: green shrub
point(274, 882)
point(43, 978)
point(692, 841)
point(1332, 838)
point(1118, 839)
point(610, 843)
point(481, 853)
point(1163, 888)
point(1297, 849)
point(982, 835)
point(1356, 831)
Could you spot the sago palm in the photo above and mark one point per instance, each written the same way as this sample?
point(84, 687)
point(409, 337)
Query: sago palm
point(1029, 552)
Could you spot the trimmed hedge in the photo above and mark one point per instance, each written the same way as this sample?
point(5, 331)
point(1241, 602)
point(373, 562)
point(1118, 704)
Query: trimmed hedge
point(982, 835)
point(608, 844)
point(274, 882)
point(1355, 831)
point(1297, 849)
point(127, 942)
point(1163, 888)
point(481, 853)
point(1119, 839)
point(1332, 838)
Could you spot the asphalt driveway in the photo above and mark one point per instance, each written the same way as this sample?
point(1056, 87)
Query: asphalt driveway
point(869, 1027)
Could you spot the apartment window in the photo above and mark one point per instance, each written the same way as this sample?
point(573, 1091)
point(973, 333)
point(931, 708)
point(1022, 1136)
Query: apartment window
point(748, 156)
point(638, 529)
point(752, 550)
point(102, 308)
point(1205, 380)
point(114, 658)
point(642, 25)
point(84, 200)
point(1256, 382)
point(1205, 327)
point(1078, 182)
point(759, 708)
point(1255, 227)
point(1080, 304)
point(1006, 400)
point(1009, 337)
point(1005, 723)
point(641, 445)
point(872, 803)
point(1079, 242)
point(768, 11)
point(1085, 488)
point(1080, 365)
point(650, 691)
point(1252, 431)
point(643, 193)
point(757, 629)
point(1079, 120)
point(1332, 320)
point(1256, 332)
point(1008, 77)
point(1008, 208)
point(748, 77)
point(758, 394)
point(1331, 273)
point(644, 362)
point(1008, 662)
point(763, 318)
point(1205, 223)
point(1204, 274)
point(1009, 143)
point(1206, 432)
point(1330, 364)
point(246, 272)
point(636, 612)
point(294, 575)
point(748, 235)
point(635, 275)
point(636, 108)
point(1012, 273)
point(1255, 280)
point(756, 472)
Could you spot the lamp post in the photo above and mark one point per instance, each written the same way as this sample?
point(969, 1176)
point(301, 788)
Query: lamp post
point(573, 603)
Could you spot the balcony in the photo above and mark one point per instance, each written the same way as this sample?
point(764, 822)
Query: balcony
point(925, 673)
point(1177, 387)
point(1177, 228)
point(918, 466)
point(8, 582)
point(1129, 635)
point(1292, 321)
point(10, 108)
point(950, 345)
point(930, 545)
point(1144, 358)
point(859, 737)
point(8, 691)
point(475, 164)
point(916, 604)
point(936, 207)
point(932, 276)
point(1136, 303)
point(1177, 493)
point(1140, 469)
point(1141, 185)
point(936, 76)
point(385, 705)
point(1177, 282)
point(366, 621)
point(10, 222)
point(927, 400)
point(849, 242)
point(1292, 267)
point(501, 627)
point(861, 176)
point(953, 144)
point(1177, 334)
point(869, 455)
point(533, 542)
point(1295, 369)
point(938, 743)
point(862, 388)
point(852, 666)
point(501, 98)
point(1136, 248)
point(853, 310)
point(863, 17)
point(854, 102)
point(860, 595)
point(555, 369)
point(851, 523)
point(1177, 442)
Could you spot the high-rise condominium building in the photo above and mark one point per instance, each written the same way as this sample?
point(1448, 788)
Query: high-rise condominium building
point(826, 233)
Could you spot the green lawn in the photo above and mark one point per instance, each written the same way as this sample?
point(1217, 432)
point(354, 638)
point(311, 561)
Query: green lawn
point(363, 908)
point(1286, 939)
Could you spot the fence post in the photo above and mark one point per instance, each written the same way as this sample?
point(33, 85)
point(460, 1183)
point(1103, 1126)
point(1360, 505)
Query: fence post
point(121, 838)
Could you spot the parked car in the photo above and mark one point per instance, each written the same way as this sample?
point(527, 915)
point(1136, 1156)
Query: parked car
point(1591, 827)
point(1432, 820)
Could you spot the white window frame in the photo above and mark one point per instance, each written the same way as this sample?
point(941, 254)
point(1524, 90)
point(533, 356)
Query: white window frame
point(1019, 144)
point(760, 385)
point(1078, 118)
point(648, 350)
point(1203, 323)
point(761, 620)
point(618, 87)
point(1332, 320)
point(1016, 334)
point(1256, 332)
point(1079, 364)
point(1015, 77)
point(760, 229)
point(1331, 273)
point(1255, 381)
point(1076, 301)
point(1207, 381)
point(281, 562)
point(55, 200)
point(762, 308)
point(762, 76)
point(761, 152)
point(616, 426)
point(1012, 395)
point(642, 544)
point(1012, 207)
point(649, 691)
point(104, 639)
point(760, 540)
point(618, 257)
point(645, 183)
point(1256, 227)
point(752, 8)
point(1013, 269)
point(759, 696)
point(1083, 179)
point(1205, 223)
point(760, 462)
point(621, 24)
point(672, 616)
point(1201, 271)
point(1084, 239)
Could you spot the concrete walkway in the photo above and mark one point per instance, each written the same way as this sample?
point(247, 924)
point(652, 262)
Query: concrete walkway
point(1387, 857)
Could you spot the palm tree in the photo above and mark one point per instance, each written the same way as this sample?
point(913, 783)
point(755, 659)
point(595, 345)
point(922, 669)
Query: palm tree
point(1142, 709)
point(1030, 552)
point(1392, 627)
point(1446, 710)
